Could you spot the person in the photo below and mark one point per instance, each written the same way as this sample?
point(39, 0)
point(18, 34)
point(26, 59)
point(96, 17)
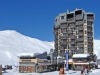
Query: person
point(82, 70)
point(85, 71)
point(61, 72)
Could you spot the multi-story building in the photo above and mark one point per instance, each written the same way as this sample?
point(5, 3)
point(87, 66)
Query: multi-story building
point(74, 32)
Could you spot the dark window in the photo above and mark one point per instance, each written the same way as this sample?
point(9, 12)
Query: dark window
point(62, 17)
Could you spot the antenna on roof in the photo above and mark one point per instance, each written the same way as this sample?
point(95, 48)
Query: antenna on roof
point(68, 11)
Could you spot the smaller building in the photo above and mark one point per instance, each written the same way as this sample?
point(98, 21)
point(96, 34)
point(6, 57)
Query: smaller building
point(82, 61)
point(29, 63)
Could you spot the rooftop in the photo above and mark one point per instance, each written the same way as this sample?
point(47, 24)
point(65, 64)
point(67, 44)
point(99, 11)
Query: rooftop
point(80, 55)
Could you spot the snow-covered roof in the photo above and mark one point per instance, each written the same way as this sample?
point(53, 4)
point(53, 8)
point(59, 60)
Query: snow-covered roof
point(81, 63)
point(26, 54)
point(59, 57)
point(70, 60)
point(80, 55)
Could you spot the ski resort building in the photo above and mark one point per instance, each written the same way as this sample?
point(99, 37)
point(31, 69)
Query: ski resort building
point(74, 32)
point(30, 62)
point(82, 60)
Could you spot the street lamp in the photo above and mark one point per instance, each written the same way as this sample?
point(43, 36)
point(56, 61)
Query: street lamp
point(66, 53)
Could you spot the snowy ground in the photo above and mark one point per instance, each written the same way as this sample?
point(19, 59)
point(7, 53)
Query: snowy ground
point(94, 72)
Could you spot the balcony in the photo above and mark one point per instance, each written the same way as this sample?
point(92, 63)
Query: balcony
point(79, 22)
point(72, 42)
point(80, 44)
point(89, 25)
point(72, 48)
point(63, 37)
point(63, 42)
point(89, 30)
point(90, 43)
point(80, 28)
point(90, 39)
point(80, 51)
point(72, 37)
point(70, 31)
point(70, 20)
point(80, 33)
point(79, 39)
point(64, 31)
point(90, 19)
point(78, 17)
point(89, 35)
point(63, 26)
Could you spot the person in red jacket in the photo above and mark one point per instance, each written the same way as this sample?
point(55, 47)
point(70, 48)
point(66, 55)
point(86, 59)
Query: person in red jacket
point(61, 72)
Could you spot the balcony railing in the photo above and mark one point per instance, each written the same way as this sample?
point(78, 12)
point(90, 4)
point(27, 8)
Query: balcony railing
point(72, 37)
point(79, 22)
point(70, 20)
point(80, 44)
point(78, 17)
point(80, 28)
point(90, 18)
point(80, 33)
point(63, 37)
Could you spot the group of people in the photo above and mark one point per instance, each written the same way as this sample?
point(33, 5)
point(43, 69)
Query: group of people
point(84, 71)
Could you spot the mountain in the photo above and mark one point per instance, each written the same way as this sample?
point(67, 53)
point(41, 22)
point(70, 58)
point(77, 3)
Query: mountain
point(12, 43)
point(97, 48)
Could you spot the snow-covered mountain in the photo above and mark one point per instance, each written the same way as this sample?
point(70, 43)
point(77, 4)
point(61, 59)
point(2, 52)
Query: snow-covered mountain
point(97, 48)
point(12, 43)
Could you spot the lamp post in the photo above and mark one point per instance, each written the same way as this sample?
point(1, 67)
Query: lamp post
point(66, 53)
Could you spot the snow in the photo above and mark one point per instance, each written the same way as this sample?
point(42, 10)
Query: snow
point(13, 43)
point(70, 60)
point(80, 55)
point(26, 54)
point(70, 72)
point(97, 48)
point(81, 63)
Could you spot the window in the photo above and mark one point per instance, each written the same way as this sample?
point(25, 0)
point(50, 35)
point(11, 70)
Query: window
point(85, 32)
point(62, 17)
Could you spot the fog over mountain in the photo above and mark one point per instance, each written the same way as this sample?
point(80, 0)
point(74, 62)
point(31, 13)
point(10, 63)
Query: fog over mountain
point(12, 43)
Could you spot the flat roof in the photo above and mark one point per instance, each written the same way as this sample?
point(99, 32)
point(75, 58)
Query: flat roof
point(80, 55)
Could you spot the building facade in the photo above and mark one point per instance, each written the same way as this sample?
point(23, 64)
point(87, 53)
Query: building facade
point(30, 63)
point(74, 32)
